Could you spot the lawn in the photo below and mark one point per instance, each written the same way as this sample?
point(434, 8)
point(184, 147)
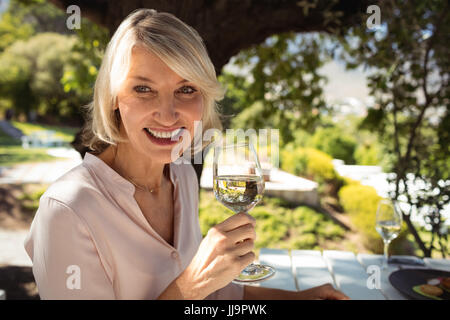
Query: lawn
point(11, 151)
point(65, 133)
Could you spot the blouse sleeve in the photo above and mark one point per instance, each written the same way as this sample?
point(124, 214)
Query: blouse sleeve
point(66, 264)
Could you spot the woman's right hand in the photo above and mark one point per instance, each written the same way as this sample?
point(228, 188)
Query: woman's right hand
point(222, 255)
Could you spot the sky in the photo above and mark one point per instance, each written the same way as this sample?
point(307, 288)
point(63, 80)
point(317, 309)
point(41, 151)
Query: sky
point(346, 88)
point(344, 83)
point(3, 5)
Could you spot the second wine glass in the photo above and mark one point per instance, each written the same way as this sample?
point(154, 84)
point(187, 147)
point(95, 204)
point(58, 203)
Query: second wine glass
point(239, 185)
point(388, 224)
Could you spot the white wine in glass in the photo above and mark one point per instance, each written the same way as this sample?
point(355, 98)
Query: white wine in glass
point(388, 224)
point(239, 185)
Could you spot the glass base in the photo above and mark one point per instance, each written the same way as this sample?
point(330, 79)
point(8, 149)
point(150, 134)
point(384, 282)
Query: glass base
point(254, 273)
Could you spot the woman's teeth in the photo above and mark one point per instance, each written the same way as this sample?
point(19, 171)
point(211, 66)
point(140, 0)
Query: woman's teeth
point(165, 134)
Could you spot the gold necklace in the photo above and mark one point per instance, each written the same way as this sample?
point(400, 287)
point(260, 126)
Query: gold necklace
point(142, 187)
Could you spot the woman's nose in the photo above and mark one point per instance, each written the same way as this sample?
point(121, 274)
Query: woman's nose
point(166, 111)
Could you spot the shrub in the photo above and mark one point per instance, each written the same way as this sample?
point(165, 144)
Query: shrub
point(331, 231)
point(333, 141)
point(320, 165)
point(304, 242)
point(270, 232)
point(277, 225)
point(308, 162)
point(361, 202)
point(367, 154)
point(312, 164)
point(304, 216)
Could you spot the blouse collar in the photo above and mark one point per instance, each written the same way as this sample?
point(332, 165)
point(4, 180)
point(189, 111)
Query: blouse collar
point(112, 179)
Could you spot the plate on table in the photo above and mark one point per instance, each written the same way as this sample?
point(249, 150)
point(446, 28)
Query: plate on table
point(407, 281)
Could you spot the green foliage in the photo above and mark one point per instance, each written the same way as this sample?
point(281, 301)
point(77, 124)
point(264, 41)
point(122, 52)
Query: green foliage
point(246, 118)
point(334, 142)
point(12, 29)
point(25, 18)
point(307, 240)
point(81, 72)
point(410, 61)
point(235, 99)
point(45, 66)
point(271, 228)
point(361, 203)
point(308, 162)
point(368, 154)
point(282, 83)
point(277, 224)
point(30, 72)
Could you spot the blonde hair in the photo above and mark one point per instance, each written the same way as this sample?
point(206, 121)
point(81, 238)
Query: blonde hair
point(177, 45)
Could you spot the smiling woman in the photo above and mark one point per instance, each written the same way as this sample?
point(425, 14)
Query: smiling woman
point(124, 224)
point(178, 51)
point(127, 217)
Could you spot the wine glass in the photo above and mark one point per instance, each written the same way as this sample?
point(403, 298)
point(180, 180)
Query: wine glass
point(388, 224)
point(239, 185)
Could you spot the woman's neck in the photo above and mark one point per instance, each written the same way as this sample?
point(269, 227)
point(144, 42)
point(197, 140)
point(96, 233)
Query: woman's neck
point(134, 168)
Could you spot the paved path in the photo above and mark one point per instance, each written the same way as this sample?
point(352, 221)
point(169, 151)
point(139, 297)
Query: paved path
point(41, 172)
point(10, 130)
point(12, 251)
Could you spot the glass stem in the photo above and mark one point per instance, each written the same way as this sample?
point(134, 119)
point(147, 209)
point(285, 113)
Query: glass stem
point(386, 253)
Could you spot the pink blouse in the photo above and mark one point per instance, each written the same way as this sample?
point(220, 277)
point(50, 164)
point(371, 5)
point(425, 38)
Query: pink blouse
point(90, 240)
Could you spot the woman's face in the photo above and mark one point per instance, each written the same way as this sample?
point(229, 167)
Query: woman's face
point(154, 103)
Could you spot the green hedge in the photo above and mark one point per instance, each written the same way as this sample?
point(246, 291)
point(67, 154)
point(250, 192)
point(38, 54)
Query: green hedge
point(277, 224)
point(312, 164)
point(361, 203)
point(308, 162)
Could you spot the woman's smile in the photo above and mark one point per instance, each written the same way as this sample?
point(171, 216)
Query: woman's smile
point(164, 138)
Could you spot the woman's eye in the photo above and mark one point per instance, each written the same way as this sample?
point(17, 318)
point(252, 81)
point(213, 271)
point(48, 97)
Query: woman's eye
point(142, 89)
point(187, 90)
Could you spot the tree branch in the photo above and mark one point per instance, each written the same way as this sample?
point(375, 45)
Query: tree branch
point(227, 27)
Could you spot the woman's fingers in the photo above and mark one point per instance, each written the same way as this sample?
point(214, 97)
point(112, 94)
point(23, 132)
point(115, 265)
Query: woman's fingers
point(246, 259)
point(244, 247)
point(327, 291)
point(242, 233)
point(236, 221)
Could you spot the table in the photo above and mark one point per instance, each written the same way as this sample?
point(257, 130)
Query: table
point(358, 276)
